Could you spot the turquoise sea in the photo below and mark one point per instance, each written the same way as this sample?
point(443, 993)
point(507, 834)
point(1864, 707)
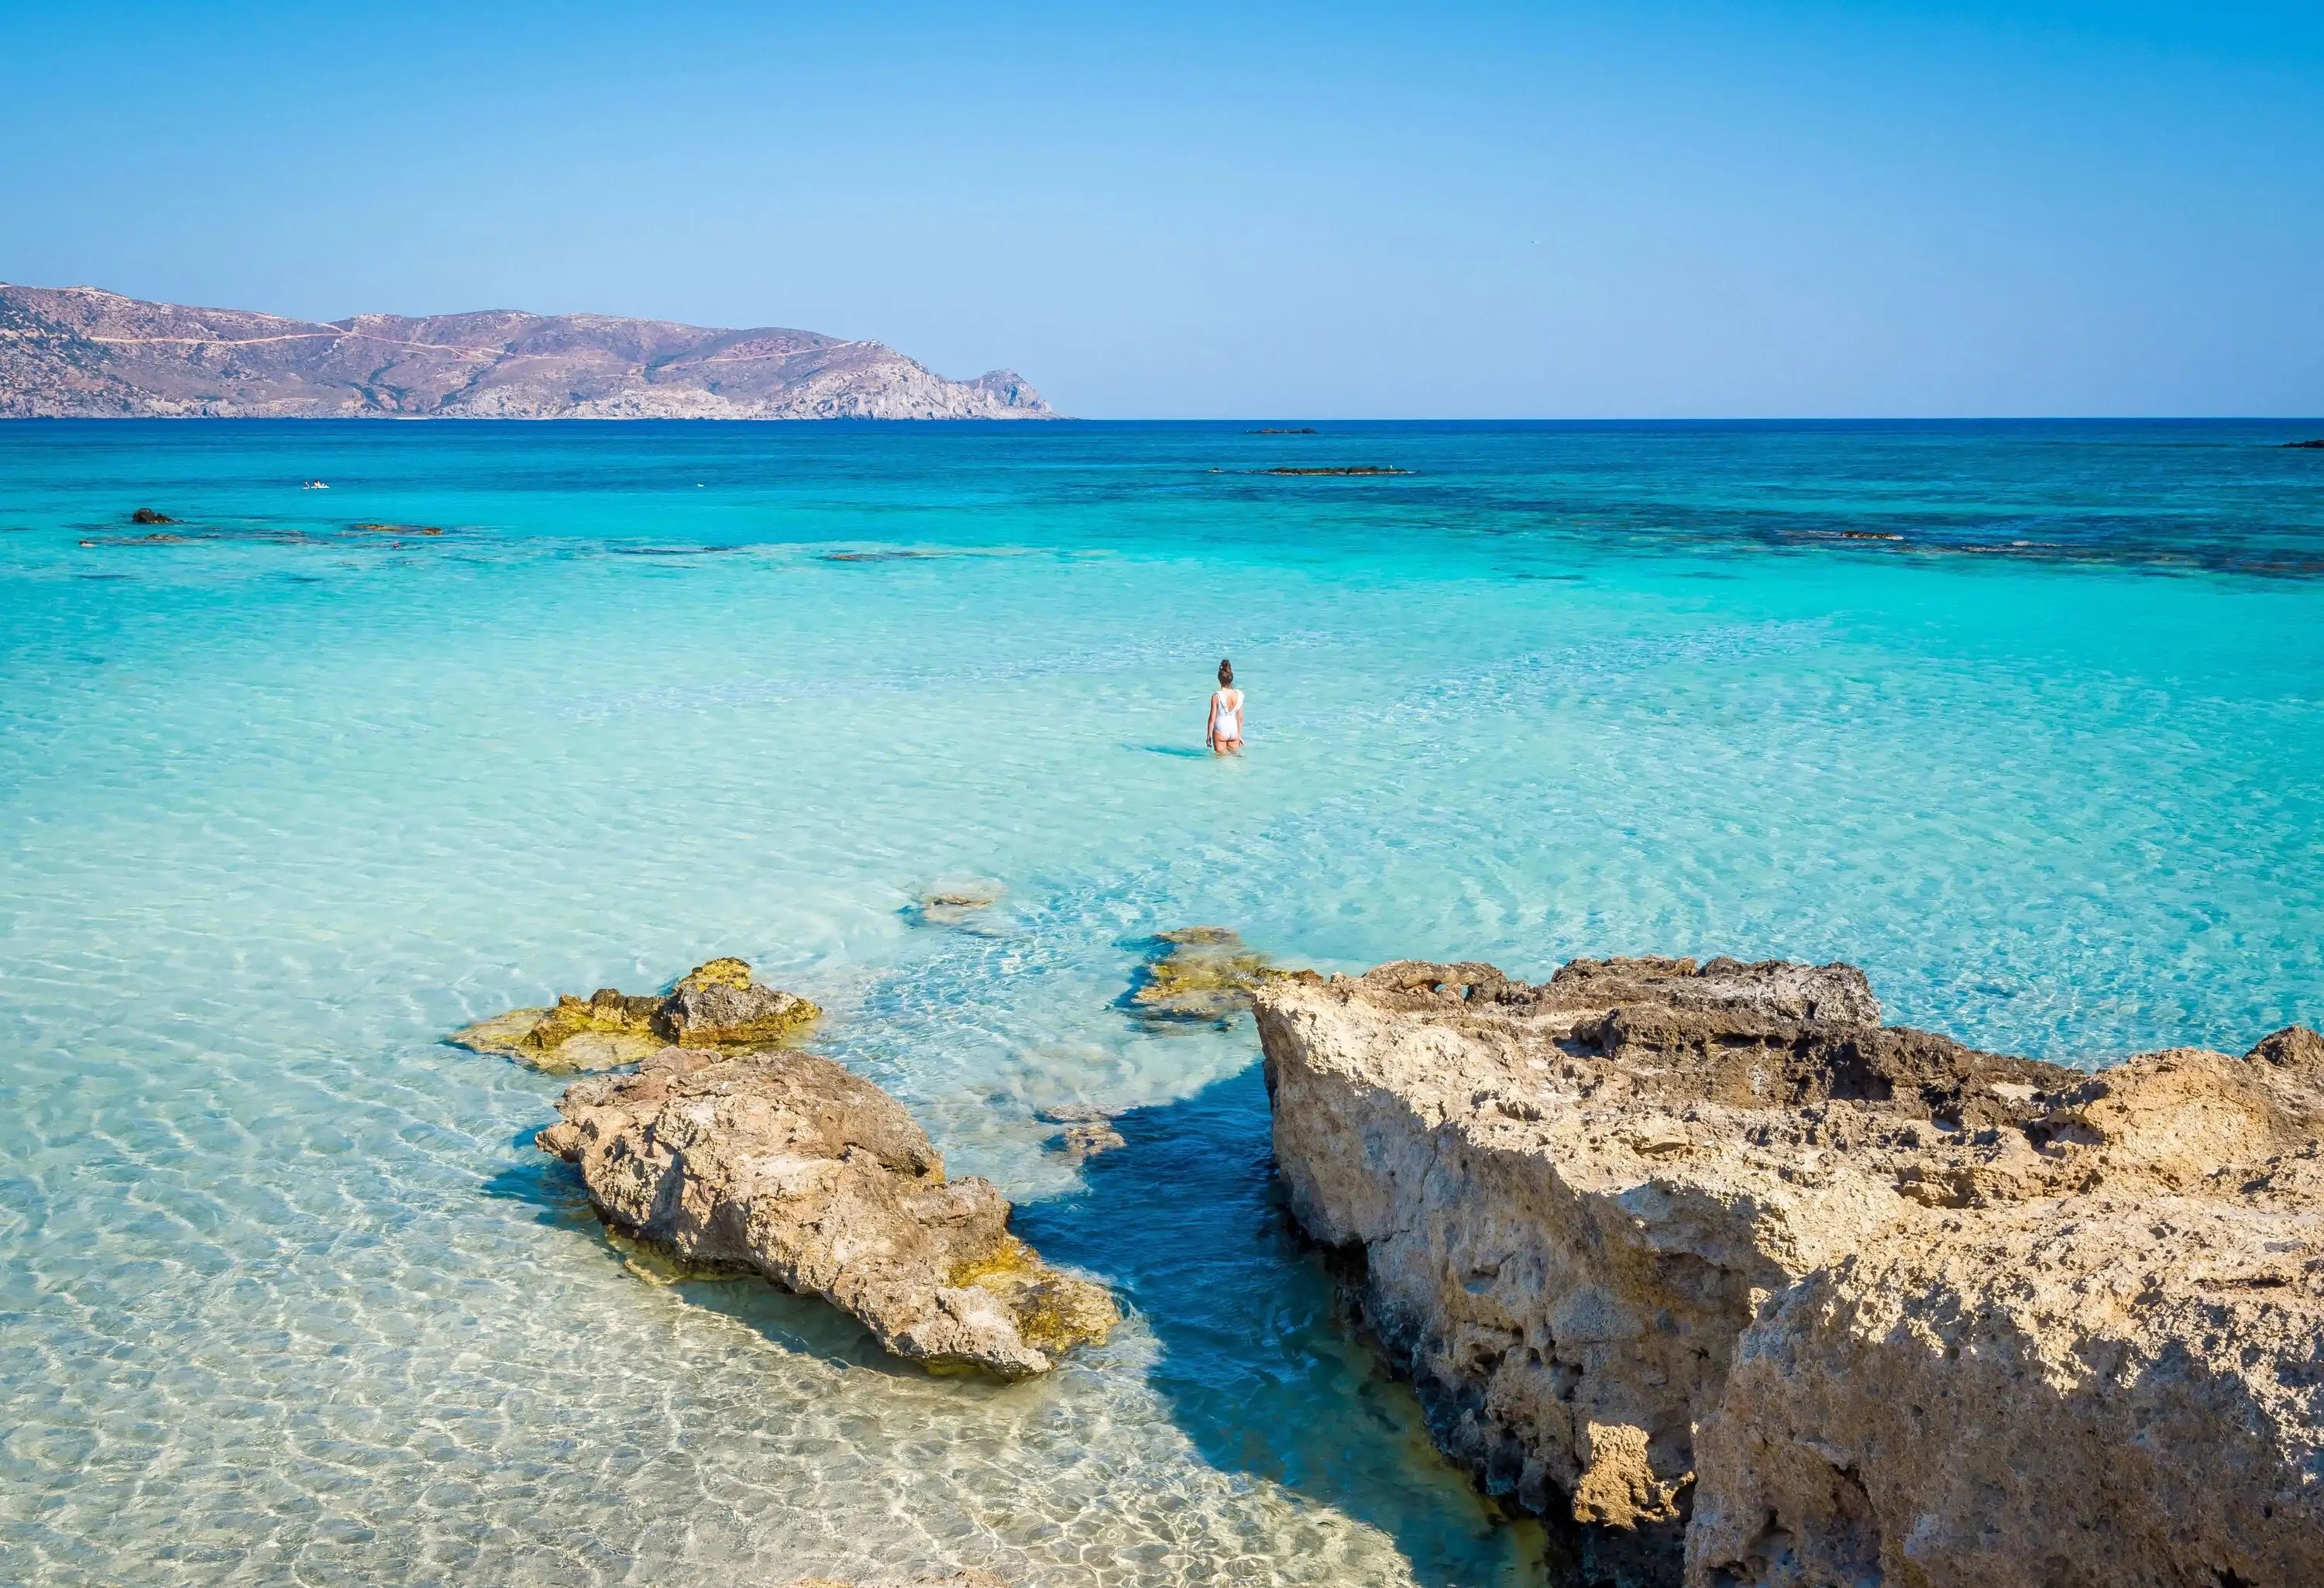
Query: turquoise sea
point(2025, 719)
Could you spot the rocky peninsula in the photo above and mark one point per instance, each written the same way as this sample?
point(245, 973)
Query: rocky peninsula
point(1742, 1287)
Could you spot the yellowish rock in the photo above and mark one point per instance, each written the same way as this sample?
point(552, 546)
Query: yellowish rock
point(717, 1004)
point(1202, 974)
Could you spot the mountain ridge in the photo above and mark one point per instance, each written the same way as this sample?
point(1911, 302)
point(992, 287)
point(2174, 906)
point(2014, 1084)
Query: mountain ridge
point(87, 353)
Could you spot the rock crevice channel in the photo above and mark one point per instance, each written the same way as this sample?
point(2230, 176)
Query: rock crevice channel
point(1746, 1287)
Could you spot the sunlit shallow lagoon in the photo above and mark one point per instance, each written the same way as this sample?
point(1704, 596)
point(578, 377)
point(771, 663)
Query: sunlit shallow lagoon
point(2026, 720)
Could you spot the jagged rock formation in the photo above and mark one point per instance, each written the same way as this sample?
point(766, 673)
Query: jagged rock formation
point(1202, 975)
point(1759, 1291)
point(77, 352)
point(716, 1005)
point(786, 1164)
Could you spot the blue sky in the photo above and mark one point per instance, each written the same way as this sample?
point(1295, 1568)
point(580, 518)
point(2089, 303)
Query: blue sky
point(1584, 210)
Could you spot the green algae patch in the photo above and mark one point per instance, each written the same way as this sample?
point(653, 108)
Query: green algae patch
point(716, 1005)
point(660, 1267)
point(503, 1033)
point(604, 1012)
point(726, 972)
point(1053, 1312)
point(1202, 975)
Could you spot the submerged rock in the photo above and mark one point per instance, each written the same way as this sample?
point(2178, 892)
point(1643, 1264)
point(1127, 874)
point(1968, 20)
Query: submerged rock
point(960, 903)
point(785, 1163)
point(1089, 1130)
point(1202, 974)
point(1757, 1291)
point(717, 1005)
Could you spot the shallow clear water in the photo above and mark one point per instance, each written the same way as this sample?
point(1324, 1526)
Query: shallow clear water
point(285, 1293)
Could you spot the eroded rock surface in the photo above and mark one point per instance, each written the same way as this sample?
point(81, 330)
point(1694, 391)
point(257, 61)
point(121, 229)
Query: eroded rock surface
point(1759, 1291)
point(785, 1163)
point(717, 1005)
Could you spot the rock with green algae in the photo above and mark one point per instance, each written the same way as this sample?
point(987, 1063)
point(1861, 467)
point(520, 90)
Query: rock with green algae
point(786, 1164)
point(720, 1006)
point(1203, 974)
point(717, 1005)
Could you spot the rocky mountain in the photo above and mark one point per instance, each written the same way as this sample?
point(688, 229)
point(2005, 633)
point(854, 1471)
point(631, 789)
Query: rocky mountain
point(78, 351)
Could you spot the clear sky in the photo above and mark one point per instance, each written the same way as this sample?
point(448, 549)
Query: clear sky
point(1187, 209)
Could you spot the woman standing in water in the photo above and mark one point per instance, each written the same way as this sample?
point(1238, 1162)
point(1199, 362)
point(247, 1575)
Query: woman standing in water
point(1224, 732)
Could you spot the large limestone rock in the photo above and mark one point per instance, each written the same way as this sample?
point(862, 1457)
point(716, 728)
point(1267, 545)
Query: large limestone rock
point(1758, 1292)
point(716, 1005)
point(785, 1163)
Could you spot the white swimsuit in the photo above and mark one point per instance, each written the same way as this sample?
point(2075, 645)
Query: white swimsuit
point(1226, 721)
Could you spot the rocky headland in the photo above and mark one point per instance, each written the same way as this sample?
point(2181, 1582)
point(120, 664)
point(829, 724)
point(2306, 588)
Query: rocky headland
point(717, 1004)
point(785, 1164)
point(1742, 1287)
point(82, 353)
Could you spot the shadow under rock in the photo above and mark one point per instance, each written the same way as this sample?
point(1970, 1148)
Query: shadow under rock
point(804, 1324)
point(1187, 1222)
point(550, 1185)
